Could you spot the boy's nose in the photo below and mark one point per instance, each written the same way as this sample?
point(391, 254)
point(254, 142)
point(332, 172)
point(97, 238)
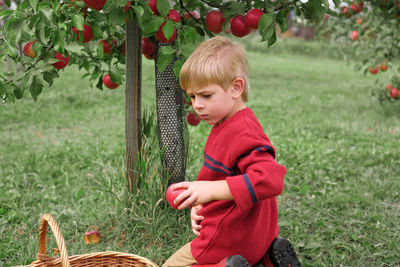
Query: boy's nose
point(196, 103)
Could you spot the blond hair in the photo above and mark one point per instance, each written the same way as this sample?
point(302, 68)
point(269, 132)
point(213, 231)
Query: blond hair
point(216, 60)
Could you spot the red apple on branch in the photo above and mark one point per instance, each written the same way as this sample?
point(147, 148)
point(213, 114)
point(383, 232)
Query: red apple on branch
point(126, 7)
point(107, 82)
point(214, 21)
point(153, 5)
point(355, 35)
point(63, 60)
point(192, 118)
point(87, 33)
point(95, 4)
point(373, 70)
point(389, 86)
point(252, 18)
point(147, 46)
point(28, 49)
point(161, 37)
point(106, 47)
point(359, 21)
point(191, 15)
point(238, 26)
point(394, 93)
point(174, 15)
point(383, 67)
point(345, 10)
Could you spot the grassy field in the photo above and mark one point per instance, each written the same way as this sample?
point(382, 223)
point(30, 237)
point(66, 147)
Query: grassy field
point(64, 155)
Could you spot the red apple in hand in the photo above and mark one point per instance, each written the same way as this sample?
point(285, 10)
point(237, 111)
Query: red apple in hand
point(63, 60)
point(28, 51)
point(252, 18)
point(192, 118)
point(214, 21)
point(171, 195)
point(107, 82)
point(87, 33)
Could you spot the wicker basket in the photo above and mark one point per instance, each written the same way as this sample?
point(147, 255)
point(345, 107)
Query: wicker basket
point(107, 258)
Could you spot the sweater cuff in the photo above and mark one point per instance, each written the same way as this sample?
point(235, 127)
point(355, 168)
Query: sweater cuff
point(242, 190)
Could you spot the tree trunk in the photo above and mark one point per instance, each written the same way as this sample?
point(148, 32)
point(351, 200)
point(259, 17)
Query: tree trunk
point(133, 101)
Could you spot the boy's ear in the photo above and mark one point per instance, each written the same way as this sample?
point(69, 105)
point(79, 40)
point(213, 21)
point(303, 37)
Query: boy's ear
point(237, 87)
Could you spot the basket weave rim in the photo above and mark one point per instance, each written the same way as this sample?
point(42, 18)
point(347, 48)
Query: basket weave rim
point(65, 260)
point(93, 255)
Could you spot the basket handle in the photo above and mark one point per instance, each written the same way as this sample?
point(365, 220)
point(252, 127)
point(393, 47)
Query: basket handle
point(47, 219)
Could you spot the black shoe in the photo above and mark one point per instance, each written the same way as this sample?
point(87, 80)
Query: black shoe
point(282, 253)
point(236, 261)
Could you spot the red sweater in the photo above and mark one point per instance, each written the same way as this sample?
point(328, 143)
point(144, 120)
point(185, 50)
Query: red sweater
point(238, 151)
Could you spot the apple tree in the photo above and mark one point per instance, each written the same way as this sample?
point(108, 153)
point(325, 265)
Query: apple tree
point(371, 29)
point(104, 38)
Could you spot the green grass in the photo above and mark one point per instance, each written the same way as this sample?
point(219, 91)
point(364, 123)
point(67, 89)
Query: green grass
point(64, 155)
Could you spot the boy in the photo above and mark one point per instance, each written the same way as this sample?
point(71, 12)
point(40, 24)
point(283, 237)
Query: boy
point(234, 212)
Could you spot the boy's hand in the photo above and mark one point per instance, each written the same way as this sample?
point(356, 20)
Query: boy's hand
point(201, 192)
point(196, 219)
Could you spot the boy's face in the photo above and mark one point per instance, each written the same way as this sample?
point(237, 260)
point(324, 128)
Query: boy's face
point(213, 104)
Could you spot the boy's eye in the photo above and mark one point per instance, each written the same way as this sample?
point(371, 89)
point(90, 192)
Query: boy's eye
point(191, 96)
point(206, 96)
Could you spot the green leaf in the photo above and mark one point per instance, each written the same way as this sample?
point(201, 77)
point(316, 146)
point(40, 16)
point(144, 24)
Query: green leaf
point(115, 76)
point(167, 50)
point(272, 39)
point(265, 21)
point(267, 33)
point(8, 3)
point(48, 78)
point(117, 17)
point(59, 40)
point(151, 26)
point(6, 13)
point(177, 67)
point(168, 29)
point(163, 61)
point(187, 49)
point(97, 32)
point(100, 50)
point(77, 21)
point(34, 4)
point(139, 11)
point(36, 88)
point(163, 7)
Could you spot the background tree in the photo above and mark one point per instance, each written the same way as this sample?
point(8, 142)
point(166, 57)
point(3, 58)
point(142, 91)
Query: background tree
point(93, 35)
point(370, 28)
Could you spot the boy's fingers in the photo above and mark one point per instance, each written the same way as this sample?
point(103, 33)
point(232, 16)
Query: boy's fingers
point(180, 185)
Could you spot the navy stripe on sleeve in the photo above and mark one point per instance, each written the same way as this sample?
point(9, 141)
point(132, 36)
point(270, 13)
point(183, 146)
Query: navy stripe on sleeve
point(220, 164)
point(265, 148)
point(250, 188)
point(216, 169)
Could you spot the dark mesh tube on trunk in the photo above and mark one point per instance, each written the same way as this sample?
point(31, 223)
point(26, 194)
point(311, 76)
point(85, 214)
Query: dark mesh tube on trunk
point(172, 128)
